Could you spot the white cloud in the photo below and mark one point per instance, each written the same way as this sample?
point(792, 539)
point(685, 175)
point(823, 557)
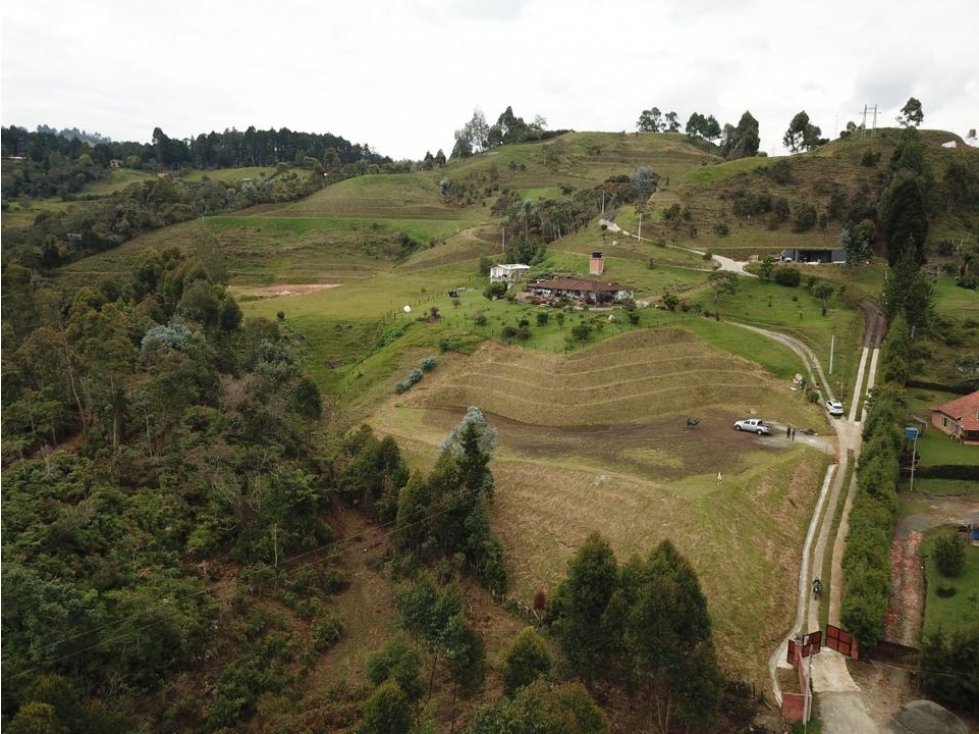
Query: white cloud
point(402, 76)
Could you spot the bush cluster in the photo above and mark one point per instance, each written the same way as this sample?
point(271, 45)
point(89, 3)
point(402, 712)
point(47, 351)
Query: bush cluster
point(426, 365)
point(789, 277)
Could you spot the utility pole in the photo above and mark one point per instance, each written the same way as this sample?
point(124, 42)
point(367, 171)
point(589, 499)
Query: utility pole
point(874, 131)
point(832, 345)
point(603, 203)
point(640, 228)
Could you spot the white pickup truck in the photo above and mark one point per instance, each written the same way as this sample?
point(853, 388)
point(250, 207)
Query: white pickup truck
point(755, 425)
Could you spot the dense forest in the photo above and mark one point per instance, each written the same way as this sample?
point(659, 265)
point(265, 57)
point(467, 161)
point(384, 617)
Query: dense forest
point(45, 164)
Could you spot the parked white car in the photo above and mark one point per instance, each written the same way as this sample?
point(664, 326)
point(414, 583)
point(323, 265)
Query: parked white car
point(835, 407)
point(755, 425)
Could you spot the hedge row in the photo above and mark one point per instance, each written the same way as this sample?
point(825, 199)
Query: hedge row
point(959, 388)
point(866, 562)
point(946, 471)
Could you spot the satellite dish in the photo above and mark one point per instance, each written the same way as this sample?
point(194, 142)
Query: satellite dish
point(406, 309)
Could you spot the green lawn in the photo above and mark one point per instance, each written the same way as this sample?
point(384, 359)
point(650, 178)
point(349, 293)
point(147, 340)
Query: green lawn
point(119, 178)
point(951, 300)
point(960, 610)
point(794, 311)
point(229, 175)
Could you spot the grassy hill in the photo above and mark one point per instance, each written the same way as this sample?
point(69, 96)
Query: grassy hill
point(600, 433)
point(592, 431)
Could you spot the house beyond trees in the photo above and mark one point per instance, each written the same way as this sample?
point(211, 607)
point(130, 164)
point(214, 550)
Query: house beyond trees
point(959, 418)
point(580, 289)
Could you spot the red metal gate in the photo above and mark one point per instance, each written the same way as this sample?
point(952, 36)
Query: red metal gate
point(841, 641)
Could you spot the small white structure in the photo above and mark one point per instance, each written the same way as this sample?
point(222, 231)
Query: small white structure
point(508, 273)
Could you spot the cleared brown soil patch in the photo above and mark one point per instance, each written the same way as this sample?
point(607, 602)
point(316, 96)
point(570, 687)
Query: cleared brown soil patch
point(366, 606)
point(664, 449)
point(287, 289)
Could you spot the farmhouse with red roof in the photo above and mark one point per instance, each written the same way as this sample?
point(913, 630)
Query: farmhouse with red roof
point(580, 289)
point(959, 418)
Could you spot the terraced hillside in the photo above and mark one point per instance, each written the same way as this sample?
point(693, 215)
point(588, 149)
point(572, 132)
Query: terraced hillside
point(634, 377)
point(598, 440)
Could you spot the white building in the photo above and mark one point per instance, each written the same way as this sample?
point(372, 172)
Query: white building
point(508, 273)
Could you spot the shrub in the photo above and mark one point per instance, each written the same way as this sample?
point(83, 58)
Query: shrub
point(945, 592)
point(429, 363)
point(542, 318)
point(789, 277)
point(949, 554)
point(495, 290)
point(326, 630)
point(581, 332)
point(968, 281)
point(479, 319)
point(526, 659)
point(869, 159)
point(805, 218)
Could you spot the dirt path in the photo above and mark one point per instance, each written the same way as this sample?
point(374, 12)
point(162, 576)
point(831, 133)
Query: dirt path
point(841, 706)
point(806, 354)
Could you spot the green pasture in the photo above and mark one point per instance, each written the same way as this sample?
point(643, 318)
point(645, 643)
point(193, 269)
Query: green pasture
point(710, 176)
point(594, 239)
point(960, 610)
point(378, 196)
point(119, 178)
point(229, 175)
point(23, 214)
point(955, 302)
point(794, 311)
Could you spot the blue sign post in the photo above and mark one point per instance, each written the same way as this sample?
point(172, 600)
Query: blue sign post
point(912, 433)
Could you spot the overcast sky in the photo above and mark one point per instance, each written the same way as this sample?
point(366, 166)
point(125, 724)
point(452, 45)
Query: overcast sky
point(403, 75)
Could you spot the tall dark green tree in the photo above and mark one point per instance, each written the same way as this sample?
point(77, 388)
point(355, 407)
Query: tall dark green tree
point(743, 140)
point(911, 114)
point(903, 217)
point(525, 661)
point(907, 290)
point(580, 605)
point(670, 640)
point(650, 121)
